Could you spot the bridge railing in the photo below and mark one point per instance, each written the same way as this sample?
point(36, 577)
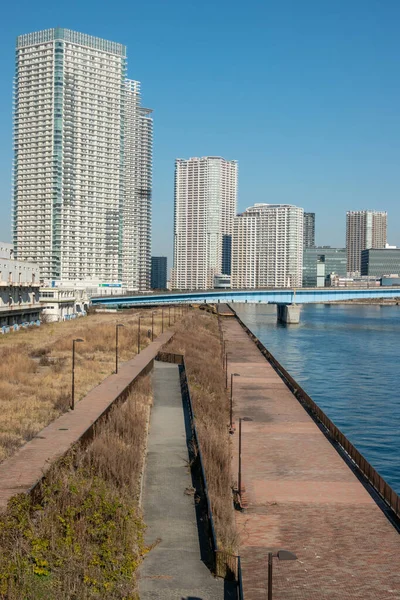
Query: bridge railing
point(388, 495)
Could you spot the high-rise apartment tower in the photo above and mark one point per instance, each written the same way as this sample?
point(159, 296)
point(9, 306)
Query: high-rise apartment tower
point(267, 246)
point(82, 160)
point(364, 229)
point(309, 230)
point(205, 207)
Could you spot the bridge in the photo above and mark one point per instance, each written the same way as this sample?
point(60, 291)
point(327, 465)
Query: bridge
point(286, 299)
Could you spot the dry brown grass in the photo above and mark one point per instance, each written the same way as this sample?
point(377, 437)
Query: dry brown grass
point(35, 368)
point(197, 337)
point(84, 539)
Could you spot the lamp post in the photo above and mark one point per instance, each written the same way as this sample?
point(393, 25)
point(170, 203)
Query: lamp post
point(231, 403)
point(280, 555)
point(138, 336)
point(73, 372)
point(240, 453)
point(117, 326)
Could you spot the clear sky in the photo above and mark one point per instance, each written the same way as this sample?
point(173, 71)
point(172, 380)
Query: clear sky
point(305, 94)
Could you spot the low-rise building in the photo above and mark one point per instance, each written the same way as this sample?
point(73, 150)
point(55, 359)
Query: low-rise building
point(222, 282)
point(19, 291)
point(63, 303)
point(353, 282)
point(382, 261)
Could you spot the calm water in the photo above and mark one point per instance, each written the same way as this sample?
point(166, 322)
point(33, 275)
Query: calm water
point(347, 358)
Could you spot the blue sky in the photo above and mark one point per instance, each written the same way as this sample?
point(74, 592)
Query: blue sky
point(305, 95)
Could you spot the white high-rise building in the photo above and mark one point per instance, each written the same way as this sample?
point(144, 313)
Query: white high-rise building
point(267, 247)
point(365, 229)
point(205, 207)
point(136, 241)
point(72, 187)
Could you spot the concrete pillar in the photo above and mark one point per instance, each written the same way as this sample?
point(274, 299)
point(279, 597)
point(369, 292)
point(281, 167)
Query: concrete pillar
point(288, 313)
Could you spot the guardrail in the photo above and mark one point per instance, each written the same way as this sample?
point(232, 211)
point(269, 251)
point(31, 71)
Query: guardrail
point(225, 565)
point(388, 495)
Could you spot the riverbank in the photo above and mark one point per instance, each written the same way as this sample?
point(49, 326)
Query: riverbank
point(301, 496)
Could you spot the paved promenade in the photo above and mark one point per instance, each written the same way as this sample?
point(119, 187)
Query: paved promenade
point(22, 471)
point(302, 497)
point(173, 569)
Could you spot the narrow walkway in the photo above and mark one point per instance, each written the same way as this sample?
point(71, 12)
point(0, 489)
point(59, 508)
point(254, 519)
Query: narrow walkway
point(173, 569)
point(302, 497)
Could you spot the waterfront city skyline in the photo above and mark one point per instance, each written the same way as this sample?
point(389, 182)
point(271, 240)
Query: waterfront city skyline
point(312, 147)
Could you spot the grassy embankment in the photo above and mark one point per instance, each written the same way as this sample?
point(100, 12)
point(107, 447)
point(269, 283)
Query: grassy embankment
point(84, 539)
point(35, 369)
point(197, 337)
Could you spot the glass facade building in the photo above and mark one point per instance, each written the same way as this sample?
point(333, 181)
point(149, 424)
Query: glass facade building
point(380, 262)
point(320, 262)
point(309, 230)
point(159, 272)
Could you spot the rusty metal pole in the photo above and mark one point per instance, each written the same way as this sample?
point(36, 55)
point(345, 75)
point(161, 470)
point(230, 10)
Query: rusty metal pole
point(73, 377)
point(269, 575)
point(138, 338)
point(240, 457)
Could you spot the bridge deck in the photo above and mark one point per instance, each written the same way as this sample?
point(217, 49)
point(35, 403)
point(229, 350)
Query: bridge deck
point(302, 497)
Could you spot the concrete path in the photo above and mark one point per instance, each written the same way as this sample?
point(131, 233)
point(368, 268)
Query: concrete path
point(302, 497)
point(173, 569)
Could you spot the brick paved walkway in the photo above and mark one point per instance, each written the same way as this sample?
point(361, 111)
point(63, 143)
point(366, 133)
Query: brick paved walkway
point(302, 497)
point(22, 471)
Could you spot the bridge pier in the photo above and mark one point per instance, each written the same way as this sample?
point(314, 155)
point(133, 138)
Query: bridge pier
point(288, 313)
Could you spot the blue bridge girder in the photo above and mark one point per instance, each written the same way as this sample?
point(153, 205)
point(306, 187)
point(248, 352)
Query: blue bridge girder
point(264, 296)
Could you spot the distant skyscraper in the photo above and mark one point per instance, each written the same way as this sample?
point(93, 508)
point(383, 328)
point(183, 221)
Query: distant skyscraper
point(136, 218)
point(309, 230)
point(205, 206)
point(82, 160)
point(364, 229)
point(267, 246)
point(159, 272)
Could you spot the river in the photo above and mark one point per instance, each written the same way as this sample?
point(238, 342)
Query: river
point(347, 358)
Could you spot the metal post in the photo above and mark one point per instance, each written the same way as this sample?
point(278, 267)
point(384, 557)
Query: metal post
point(116, 349)
point(231, 406)
point(240, 457)
point(269, 575)
point(226, 371)
point(73, 377)
point(138, 338)
point(73, 372)
point(169, 316)
point(162, 319)
point(152, 326)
